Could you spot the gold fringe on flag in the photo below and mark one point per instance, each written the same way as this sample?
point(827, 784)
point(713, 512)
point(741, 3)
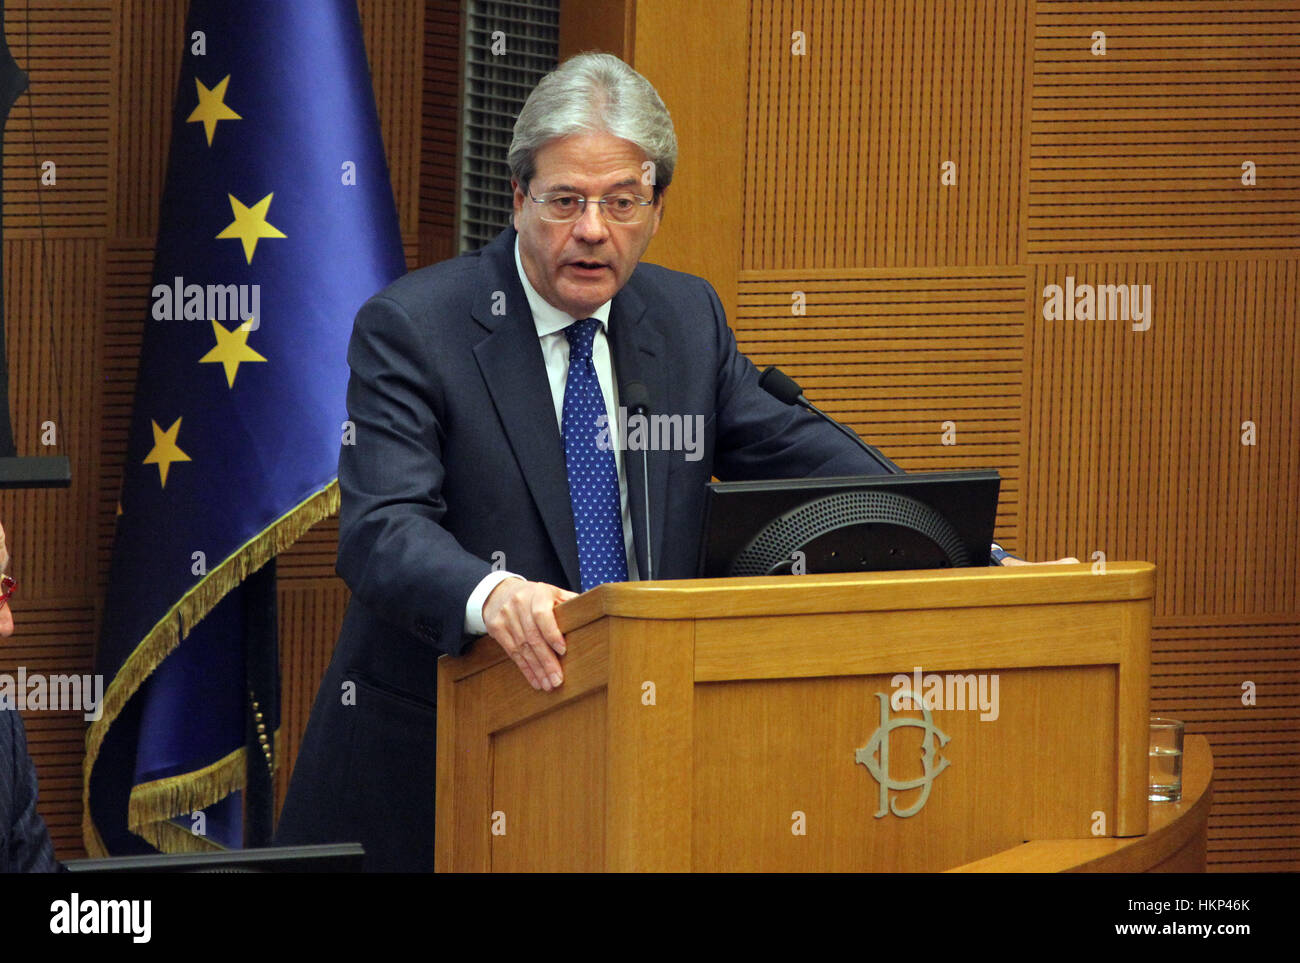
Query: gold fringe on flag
point(153, 804)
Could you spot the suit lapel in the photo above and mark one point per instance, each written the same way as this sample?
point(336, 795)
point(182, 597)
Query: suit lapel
point(637, 349)
point(510, 360)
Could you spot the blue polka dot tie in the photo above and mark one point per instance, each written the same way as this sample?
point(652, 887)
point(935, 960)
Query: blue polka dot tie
point(593, 474)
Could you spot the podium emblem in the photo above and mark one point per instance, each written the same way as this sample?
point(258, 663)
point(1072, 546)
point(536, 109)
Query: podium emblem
point(875, 756)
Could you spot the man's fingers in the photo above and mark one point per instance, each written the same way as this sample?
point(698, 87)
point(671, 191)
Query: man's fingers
point(1060, 561)
point(509, 634)
point(534, 645)
point(516, 653)
point(541, 650)
point(544, 616)
point(523, 624)
point(529, 649)
point(517, 656)
point(548, 664)
point(521, 652)
point(549, 626)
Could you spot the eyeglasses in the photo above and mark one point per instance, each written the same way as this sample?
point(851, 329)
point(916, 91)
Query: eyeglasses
point(565, 207)
point(7, 588)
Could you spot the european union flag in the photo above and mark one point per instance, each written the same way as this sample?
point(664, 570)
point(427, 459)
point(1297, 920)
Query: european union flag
point(277, 222)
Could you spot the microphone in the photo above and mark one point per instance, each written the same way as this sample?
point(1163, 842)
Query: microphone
point(636, 399)
point(786, 390)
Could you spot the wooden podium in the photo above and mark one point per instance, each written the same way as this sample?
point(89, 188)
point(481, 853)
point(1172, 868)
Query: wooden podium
point(749, 724)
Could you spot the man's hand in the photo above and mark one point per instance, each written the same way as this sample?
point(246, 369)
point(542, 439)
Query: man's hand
point(520, 616)
point(1009, 560)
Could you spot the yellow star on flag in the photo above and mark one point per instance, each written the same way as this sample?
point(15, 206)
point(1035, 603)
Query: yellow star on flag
point(250, 224)
point(212, 107)
point(165, 450)
point(232, 349)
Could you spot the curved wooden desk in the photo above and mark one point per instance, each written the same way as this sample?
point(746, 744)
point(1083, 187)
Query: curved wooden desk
point(1174, 842)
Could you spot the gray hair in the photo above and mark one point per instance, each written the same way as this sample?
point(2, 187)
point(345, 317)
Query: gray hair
point(594, 92)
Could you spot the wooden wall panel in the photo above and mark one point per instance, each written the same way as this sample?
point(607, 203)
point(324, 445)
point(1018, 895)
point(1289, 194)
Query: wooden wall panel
point(53, 301)
point(152, 34)
point(67, 50)
point(701, 215)
point(1136, 448)
point(608, 26)
point(1199, 666)
point(440, 131)
point(312, 556)
point(1135, 176)
point(394, 45)
point(845, 143)
point(128, 271)
point(311, 612)
point(1138, 153)
point(897, 353)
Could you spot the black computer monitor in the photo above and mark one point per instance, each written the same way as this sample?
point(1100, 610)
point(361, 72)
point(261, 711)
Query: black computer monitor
point(860, 523)
point(321, 858)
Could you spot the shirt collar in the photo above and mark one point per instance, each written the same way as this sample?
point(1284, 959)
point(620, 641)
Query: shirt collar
point(548, 318)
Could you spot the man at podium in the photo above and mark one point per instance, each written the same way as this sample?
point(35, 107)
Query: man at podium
point(489, 480)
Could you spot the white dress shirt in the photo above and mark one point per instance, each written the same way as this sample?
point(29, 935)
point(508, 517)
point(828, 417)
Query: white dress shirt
point(551, 322)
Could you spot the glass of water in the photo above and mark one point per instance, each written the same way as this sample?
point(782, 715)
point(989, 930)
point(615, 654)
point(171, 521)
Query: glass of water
point(1165, 761)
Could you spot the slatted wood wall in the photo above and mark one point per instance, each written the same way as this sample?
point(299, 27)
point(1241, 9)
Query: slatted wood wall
point(55, 304)
point(103, 83)
point(924, 301)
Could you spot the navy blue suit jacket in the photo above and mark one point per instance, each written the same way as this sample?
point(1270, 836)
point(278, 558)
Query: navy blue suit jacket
point(25, 845)
point(457, 456)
